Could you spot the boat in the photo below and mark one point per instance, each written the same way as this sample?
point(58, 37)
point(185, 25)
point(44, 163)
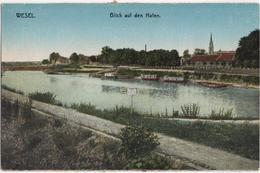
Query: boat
point(173, 79)
point(149, 77)
point(212, 85)
point(109, 76)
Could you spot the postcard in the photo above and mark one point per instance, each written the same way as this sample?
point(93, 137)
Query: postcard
point(130, 86)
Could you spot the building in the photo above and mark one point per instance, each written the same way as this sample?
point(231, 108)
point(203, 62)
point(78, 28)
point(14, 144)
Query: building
point(219, 59)
point(83, 59)
point(211, 46)
point(62, 60)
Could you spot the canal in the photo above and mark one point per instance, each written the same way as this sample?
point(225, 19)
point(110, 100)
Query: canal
point(152, 97)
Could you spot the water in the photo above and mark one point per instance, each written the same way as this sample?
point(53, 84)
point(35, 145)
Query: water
point(152, 97)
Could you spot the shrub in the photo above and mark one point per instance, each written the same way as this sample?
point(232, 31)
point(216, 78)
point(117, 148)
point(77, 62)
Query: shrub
point(46, 97)
point(150, 162)
point(175, 113)
point(26, 110)
point(190, 110)
point(137, 141)
point(85, 108)
point(43, 97)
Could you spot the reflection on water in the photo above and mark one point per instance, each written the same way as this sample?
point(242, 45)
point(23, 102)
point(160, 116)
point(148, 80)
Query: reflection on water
point(152, 96)
point(141, 91)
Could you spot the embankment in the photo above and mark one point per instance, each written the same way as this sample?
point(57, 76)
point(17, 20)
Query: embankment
point(195, 155)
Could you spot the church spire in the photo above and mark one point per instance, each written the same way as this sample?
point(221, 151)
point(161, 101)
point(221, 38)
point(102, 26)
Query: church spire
point(211, 46)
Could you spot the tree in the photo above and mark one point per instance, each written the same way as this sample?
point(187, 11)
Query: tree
point(45, 61)
point(247, 53)
point(74, 58)
point(176, 59)
point(53, 57)
point(105, 54)
point(186, 54)
point(198, 51)
point(128, 56)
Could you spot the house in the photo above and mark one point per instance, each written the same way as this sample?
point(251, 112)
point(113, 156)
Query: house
point(62, 60)
point(83, 59)
point(219, 60)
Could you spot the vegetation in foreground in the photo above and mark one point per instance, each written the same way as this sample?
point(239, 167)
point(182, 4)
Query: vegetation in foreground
point(241, 139)
point(32, 142)
point(189, 111)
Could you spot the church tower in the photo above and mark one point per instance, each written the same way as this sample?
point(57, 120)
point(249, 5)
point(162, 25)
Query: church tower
point(211, 46)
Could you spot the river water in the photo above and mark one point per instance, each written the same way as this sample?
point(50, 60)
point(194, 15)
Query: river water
point(152, 96)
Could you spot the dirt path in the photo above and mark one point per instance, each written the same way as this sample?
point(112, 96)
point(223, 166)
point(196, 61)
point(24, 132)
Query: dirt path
point(196, 154)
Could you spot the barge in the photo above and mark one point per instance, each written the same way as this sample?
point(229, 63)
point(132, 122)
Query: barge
point(150, 77)
point(173, 79)
point(212, 85)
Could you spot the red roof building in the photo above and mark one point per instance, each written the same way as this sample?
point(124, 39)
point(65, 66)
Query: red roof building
point(221, 59)
point(229, 57)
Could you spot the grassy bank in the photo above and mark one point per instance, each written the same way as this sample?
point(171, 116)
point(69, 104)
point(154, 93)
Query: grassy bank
point(34, 142)
point(240, 138)
point(12, 89)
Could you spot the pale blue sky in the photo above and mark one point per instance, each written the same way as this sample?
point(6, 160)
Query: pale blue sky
point(86, 28)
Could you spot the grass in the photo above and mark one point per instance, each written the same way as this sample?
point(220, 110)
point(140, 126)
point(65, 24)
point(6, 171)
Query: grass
point(46, 97)
point(36, 142)
point(237, 138)
point(66, 139)
point(12, 89)
point(224, 136)
point(222, 114)
point(190, 110)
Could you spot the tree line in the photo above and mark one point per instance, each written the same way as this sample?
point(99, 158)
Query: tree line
point(128, 56)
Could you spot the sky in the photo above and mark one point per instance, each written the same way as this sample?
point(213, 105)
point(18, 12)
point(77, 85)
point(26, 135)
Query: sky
point(86, 28)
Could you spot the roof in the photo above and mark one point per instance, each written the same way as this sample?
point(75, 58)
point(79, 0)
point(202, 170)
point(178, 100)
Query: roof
point(226, 57)
point(61, 58)
point(204, 58)
point(212, 58)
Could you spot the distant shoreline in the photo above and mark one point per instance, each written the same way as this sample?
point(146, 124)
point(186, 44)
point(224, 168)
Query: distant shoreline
point(130, 72)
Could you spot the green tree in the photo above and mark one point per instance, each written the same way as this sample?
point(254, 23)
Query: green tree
point(106, 52)
point(45, 61)
point(186, 54)
point(128, 56)
point(247, 53)
point(74, 58)
point(198, 51)
point(53, 57)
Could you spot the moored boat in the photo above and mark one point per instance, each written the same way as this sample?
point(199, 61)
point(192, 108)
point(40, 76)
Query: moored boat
point(109, 76)
point(212, 85)
point(149, 77)
point(173, 79)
